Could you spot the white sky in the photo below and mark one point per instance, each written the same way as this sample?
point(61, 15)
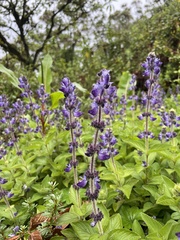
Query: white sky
point(118, 3)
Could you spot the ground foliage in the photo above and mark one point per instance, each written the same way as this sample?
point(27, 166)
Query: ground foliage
point(140, 185)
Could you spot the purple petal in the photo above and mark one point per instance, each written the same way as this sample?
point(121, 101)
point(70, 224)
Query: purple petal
point(103, 154)
point(68, 168)
point(82, 183)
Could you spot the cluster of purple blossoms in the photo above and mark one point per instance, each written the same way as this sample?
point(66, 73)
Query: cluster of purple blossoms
point(4, 193)
point(71, 112)
point(106, 146)
point(103, 95)
point(13, 123)
point(27, 93)
point(168, 121)
point(151, 98)
point(152, 67)
point(15, 231)
point(43, 116)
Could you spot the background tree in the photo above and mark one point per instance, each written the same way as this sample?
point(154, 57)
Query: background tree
point(27, 26)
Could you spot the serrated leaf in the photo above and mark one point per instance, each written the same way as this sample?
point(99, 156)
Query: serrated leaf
point(69, 234)
point(155, 146)
point(115, 222)
point(135, 142)
point(98, 237)
point(83, 230)
point(152, 224)
point(67, 218)
point(123, 234)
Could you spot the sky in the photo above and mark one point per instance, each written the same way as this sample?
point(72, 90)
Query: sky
point(117, 6)
point(118, 3)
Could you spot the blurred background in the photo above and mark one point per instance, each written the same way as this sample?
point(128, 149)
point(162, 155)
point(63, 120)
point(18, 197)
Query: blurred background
point(84, 36)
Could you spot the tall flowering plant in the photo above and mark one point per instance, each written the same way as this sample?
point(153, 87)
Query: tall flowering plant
point(71, 112)
point(102, 95)
point(152, 71)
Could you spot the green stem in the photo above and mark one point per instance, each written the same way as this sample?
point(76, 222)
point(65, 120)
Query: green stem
point(74, 160)
point(92, 170)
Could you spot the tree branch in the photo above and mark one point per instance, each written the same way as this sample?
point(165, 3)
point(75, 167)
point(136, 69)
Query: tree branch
point(49, 33)
point(12, 49)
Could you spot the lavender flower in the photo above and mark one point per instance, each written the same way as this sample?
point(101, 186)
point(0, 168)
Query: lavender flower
point(150, 99)
point(71, 112)
point(103, 95)
point(169, 121)
point(107, 150)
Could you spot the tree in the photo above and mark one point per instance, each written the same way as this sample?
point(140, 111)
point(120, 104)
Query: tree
point(27, 26)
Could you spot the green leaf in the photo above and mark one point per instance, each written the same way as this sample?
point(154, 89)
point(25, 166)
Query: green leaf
point(166, 201)
point(69, 234)
point(98, 237)
point(169, 183)
point(129, 214)
point(67, 218)
point(36, 196)
point(79, 87)
point(6, 212)
point(83, 230)
point(166, 229)
point(155, 146)
point(153, 190)
point(123, 234)
point(123, 84)
point(175, 215)
point(58, 238)
point(73, 195)
point(153, 225)
point(55, 97)
point(174, 230)
point(115, 222)
point(127, 188)
point(136, 227)
point(45, 74)
point(134, 142)
point(13, 79)
point(147, 206)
